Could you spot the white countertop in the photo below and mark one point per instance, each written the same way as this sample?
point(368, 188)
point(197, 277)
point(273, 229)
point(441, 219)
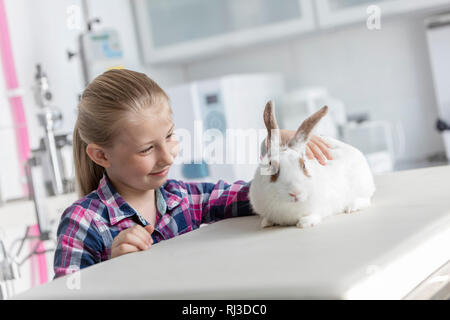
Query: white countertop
point(382, 252)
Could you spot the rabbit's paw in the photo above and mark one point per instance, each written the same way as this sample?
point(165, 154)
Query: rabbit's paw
point(266, 223)
point(357, 204)
point(350, 209)
point(309, 221)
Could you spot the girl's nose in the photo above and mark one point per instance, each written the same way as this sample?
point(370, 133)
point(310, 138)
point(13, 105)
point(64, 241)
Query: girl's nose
point(166, 157)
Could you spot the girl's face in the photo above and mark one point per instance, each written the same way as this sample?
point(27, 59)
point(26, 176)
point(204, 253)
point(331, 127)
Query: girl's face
point(145, 146)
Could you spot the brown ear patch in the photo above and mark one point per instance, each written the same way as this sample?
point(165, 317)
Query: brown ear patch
point(303, 167)
point(269, 116)
point(275, 176)
point(271, 123)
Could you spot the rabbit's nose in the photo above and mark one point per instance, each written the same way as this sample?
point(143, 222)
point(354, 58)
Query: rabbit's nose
point(294, 195)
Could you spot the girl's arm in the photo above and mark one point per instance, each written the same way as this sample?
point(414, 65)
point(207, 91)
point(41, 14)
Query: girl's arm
point(216, 201)
point(79, 242)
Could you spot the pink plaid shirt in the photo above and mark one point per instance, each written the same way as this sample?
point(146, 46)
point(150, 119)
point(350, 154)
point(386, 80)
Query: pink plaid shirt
point(87, 228)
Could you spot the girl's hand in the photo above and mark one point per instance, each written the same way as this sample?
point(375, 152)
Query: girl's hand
point(131, 240)
point(316, 146)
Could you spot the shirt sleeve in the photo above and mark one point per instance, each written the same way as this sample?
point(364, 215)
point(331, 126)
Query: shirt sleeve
point(79, 244)
point(221, 200)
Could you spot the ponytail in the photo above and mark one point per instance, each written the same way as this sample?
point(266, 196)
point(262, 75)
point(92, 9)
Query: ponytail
point(87, 173)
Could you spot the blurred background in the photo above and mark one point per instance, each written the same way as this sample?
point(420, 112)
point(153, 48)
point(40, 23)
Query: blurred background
point(382, 67)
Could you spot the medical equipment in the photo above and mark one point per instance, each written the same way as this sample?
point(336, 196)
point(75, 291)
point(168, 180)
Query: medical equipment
point(223, 126)
point(54, 151)
point(11, 260)
point(374, 138)
point(49, 170)
point(49, 117)
point(9, 271)
point(98, 50)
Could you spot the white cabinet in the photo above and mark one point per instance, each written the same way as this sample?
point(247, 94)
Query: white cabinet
point(179, 30)
point(185, 30)
point(337, 12)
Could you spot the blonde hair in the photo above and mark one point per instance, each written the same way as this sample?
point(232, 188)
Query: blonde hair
point(104, 105)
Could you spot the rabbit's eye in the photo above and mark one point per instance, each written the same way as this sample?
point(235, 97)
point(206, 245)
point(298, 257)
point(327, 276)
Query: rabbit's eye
point(276, 172)
point(302, 164)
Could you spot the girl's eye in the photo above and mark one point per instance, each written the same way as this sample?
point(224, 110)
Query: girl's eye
point(146, 150)
point(151, 147)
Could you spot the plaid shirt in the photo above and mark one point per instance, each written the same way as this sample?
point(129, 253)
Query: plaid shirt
point(87, 228)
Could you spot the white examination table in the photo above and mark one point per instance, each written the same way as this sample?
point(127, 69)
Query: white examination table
point(383, 252)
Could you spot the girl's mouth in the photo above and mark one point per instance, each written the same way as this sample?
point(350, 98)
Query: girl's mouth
point(160, 173)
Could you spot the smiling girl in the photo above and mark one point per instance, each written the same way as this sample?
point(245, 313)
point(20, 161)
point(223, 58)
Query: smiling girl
point(124, 146)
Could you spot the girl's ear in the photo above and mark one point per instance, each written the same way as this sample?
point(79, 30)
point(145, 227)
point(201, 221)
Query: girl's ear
point(98, 155)
point(303, 133)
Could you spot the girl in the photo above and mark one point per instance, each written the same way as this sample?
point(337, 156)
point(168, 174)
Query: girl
point(124, 145)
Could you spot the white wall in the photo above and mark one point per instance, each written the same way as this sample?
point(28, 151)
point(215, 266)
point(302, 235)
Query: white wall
point(383, 72)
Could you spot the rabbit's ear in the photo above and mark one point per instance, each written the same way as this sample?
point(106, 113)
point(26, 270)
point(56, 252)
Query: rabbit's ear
point(304, 131)
point(273, 133)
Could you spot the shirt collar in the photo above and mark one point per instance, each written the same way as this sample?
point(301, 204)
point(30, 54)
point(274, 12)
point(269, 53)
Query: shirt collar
point(119, 209)
point(172, 194)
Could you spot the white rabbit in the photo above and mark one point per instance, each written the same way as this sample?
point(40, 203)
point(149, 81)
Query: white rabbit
point(290, 189)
